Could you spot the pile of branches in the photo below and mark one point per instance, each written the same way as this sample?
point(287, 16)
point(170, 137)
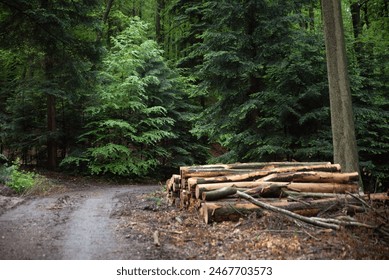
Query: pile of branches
point(300, 190)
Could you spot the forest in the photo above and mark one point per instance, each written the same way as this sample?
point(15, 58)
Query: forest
point(136, 88)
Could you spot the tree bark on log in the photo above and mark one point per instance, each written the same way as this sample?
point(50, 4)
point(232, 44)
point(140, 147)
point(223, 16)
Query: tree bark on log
point(323, 187)
point(250, 165)
point(215, 212)
point(311, 176)
point(191, 171)
point(219, 193)
point(377, 196)
point(192, 182)
point(275, 189)
point(200, 188)
point(231, 210)
point(204, 173)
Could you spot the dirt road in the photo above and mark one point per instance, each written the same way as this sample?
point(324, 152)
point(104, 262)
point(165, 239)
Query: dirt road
point(81, 224)
point(85, 220)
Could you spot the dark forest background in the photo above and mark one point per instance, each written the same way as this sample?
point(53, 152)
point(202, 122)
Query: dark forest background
point(136, 88)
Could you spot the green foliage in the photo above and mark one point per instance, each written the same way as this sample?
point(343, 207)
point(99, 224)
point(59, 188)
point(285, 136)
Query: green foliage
point(135, 113)
point(369, 71)
point(15, 178)
point(49, 52)
point(251, 78)
point(268, 79)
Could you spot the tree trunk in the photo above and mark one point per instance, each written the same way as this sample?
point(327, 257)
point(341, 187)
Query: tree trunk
point(342, 119)
point(160, 5)
point(356, 18)
point(311, 12)
point(107, 10)
point(51, 127)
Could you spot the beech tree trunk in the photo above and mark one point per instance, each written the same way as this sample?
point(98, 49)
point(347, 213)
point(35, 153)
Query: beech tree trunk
point(342, 118)
point(51, 127)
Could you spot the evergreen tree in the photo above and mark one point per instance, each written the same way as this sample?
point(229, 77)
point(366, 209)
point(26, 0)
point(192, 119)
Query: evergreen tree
point(265, 74)
point(55, 43)
point(134, 124)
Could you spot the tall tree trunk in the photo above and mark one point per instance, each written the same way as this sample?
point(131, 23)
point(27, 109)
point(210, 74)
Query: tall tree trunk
point(342, 118)
point(50, 99)
point(108, 8)
point(51, 127)
point(311, 11)
point(160, 5)
point(357, 26)
point(356, 18)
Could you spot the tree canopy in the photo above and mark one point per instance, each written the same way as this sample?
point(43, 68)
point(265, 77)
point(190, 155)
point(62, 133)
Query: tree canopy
point(136, 88)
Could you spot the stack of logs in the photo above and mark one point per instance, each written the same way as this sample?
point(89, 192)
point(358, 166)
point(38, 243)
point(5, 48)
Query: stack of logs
point(305, 188)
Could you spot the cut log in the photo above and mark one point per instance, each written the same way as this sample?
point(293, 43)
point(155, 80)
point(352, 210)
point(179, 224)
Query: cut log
point(219, 193)
point(377, 196)
point(312, 176)
point(324, 187)
point(176, 182)
point(194, 171)
point(311, 194)
point(184, 199)
point(169, 186)
point(268, 189)
point(278, 189)
point(216, 212)
point(173, 184)
point(192, 182)
point(204, 173)
point(250, 165)
point(230, 210)
point(200, 188)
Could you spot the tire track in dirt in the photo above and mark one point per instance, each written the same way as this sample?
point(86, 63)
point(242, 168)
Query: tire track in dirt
point(90, 231)
point(73, 225)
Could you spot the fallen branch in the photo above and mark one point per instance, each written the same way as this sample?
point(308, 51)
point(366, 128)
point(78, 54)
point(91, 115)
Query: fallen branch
point(367, 205)
point(286, 212)
point(352, 223)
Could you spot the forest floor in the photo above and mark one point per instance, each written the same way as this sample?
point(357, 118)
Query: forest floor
point(81, 219)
